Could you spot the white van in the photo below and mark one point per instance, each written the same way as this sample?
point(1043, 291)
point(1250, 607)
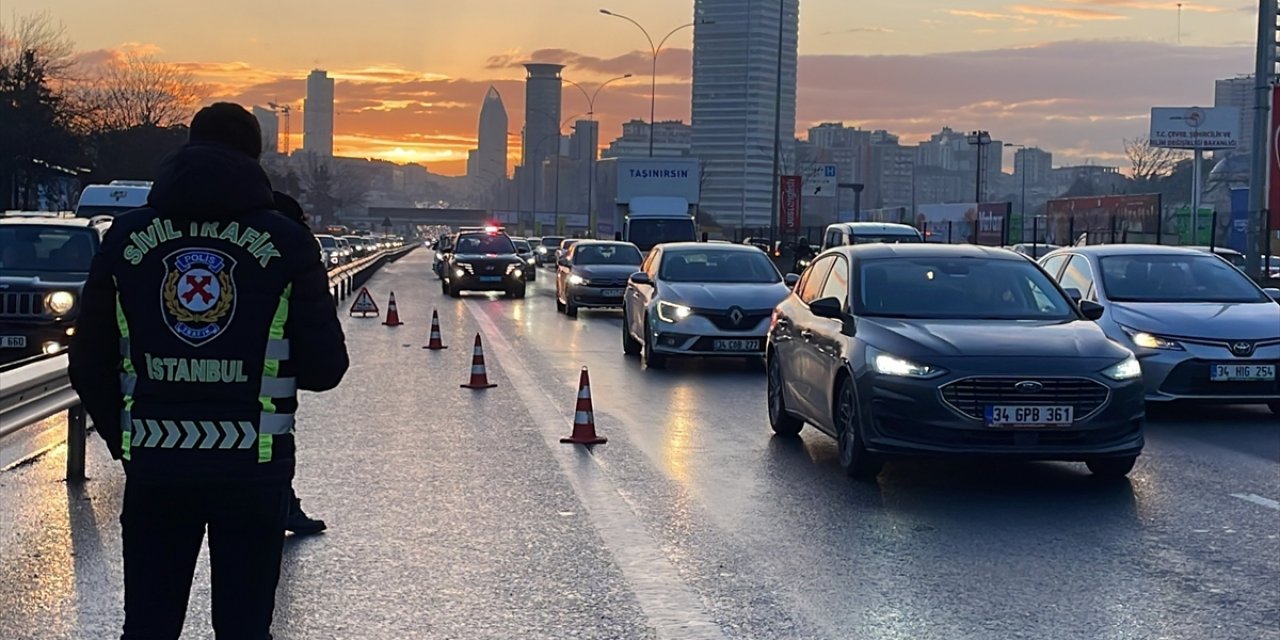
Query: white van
point(111, 199)
point(847, 233)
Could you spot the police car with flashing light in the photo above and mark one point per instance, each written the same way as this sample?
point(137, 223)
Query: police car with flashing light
point(483, 261)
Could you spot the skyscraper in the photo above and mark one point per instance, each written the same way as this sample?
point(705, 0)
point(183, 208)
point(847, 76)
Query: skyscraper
point(541, 122)
point(736, 85)
point(1238, 92)
point(317, 114)
point(491, 151)
point(270, 125)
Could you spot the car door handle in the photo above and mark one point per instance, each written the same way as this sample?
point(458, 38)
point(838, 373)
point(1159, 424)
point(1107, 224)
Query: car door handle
point(807, 335)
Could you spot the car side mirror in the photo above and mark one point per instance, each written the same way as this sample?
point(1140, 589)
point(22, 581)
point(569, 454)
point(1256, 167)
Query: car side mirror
point(791, 280)
point(641, 278)
point(827, 308)
point(1074, 294)
point(1091, 309)
point(1273, 292)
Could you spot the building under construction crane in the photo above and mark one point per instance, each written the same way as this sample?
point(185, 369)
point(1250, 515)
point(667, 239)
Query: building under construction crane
point(284, 110)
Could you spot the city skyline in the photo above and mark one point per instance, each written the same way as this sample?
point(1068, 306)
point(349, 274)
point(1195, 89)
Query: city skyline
point(1040, 83)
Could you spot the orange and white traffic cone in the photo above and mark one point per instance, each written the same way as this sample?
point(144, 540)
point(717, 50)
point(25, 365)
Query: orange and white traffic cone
point(436, 343)
point(584, 417)
point(393, 316)
point(479, 379)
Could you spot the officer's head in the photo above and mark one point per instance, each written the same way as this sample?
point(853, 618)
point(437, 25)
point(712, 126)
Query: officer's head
point(228, 124)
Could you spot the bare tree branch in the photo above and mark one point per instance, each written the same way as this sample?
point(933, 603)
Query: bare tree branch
point(138, 90)
point(37, 33)
point(1148, 162)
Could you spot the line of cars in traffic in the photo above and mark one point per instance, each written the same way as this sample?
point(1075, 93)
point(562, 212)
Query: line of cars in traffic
point(897, 347)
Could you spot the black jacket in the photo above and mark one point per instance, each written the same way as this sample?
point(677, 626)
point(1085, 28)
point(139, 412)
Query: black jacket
point(205, 280)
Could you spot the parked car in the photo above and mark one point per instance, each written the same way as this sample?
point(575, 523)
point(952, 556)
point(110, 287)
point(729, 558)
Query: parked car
point(44, 262)
point(950, 350)
point(700, 299)
point(851, 233)
point(593, 275)
point(1034, 250)
point(1202, 330)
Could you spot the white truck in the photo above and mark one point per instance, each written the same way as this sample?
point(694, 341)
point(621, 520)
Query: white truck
point(653, 200)
point(113, 198)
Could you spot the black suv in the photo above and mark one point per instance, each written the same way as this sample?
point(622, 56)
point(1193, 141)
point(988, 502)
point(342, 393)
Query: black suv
point(44, 261)
point(483, 261)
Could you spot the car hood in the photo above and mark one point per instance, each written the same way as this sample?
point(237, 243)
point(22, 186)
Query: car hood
point(493, 257)
point(614, 271)
point(1200, 319)
point(998, 338)
point(13, 280)
point(723, 296)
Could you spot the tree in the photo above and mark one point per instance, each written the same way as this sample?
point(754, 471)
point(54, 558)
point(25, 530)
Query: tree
point(329, 188)
point(39, 35)
point(1148, 162)
point(36, 143)
point(138, 90)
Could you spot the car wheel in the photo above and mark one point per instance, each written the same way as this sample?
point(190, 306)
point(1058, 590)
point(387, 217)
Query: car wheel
point(652, 359)
point(857, 462)
point(630, 346)
point(518, 291)
point(533, 275)
point(454, 291)
point(1111, 468)
point(559, 304)
point(570, 309)
point(1274, 405)
point(444, 287)
point(783, 423)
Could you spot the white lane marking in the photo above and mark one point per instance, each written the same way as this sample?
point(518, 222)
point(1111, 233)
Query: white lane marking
point(1257, 499)
point(672, 608)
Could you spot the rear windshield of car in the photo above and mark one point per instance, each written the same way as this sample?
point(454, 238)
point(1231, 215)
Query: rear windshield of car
point(718, 266)
point(1176, 278)
point(328, 242)
point(620, 254)
point(553, 242)
point(959, 289)
point(484, 243)
point(50, 249)
point(885, 238)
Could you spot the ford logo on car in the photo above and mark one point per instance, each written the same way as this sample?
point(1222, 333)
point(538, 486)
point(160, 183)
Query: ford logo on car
point(1028, 386)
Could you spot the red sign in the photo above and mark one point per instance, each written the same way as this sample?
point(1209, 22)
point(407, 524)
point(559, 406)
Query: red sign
point(789, 204)
point(1273, 193)
point(991, 221)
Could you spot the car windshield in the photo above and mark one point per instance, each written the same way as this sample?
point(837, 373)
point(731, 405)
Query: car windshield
point(328, 242)
point(552, 242)
point(647, 234)
point(1176, 278)
point(718, 265)
point(620, 254)
point(484, 243)
point(959, 289)
point(885, 238)
point(522, 246)
point(50, 249)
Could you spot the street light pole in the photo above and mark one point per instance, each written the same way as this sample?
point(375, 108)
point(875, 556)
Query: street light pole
point(1022, 169)
point(655, 50)
point(979, 139)
point(591, 161)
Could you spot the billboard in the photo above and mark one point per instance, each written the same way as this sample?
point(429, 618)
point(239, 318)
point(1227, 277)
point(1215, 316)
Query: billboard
point(676, 177)
point(992, 217)
point(1106, 218)
point(822, 181)
point(789, 203)
point(1195, 127)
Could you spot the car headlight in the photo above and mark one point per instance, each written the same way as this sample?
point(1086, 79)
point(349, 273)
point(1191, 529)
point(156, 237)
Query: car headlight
point(803, 262)
point(890, 365)
point(577, 279)
point(514, 268)
point(1151, 341)
point(1127, 369)
point(60, 302)
point(532, 260)
point(459, 273)
point(542, 250)
point(670, 312)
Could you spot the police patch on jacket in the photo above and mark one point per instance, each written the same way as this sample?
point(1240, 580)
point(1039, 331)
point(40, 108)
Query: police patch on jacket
point(199, 294)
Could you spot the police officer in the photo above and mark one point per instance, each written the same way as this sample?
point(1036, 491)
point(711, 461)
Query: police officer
point(203, 314)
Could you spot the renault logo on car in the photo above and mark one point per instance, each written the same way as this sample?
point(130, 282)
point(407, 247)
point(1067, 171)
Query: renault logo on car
point(735, 314)
point(1029, 386)
point(1242, 348)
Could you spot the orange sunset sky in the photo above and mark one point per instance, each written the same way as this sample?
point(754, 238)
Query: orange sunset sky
point(1072, 76)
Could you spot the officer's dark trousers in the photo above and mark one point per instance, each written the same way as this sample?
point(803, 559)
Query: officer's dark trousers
point(164, 526)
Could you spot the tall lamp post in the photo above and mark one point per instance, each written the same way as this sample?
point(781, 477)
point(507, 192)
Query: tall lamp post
point(1021, 167)
point(856, 187)
point(980, 140)
point(591, 162)
point(655, 50)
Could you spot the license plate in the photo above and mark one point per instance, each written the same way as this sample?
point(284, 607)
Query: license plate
point(490, 278)
point(13, 342)
point(1029, 416)
point(736, 345)
point(612, 293)
point(1242, 372)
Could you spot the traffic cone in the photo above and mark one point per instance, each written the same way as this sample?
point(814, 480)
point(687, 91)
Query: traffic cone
point(479, 379)
point(436, 343)
point(393, 316)
point(584, 417)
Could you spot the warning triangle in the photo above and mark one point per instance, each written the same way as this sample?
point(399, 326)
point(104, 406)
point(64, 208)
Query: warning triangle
point(364, 304)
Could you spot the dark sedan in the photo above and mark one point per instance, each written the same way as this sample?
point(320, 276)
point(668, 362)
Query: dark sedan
point(923, 350)
point(524, 249)
point(484, 261)
point(593, 275)
point(547, 249)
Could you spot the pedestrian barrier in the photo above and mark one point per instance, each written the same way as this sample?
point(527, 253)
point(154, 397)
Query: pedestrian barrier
point(479, 377)
point(436, 343)
point(584, 416)
point(38, 388)
point(393, 314)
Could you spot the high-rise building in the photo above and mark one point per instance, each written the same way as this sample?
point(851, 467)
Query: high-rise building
point(737, 92)
point(541, 133)
point(270, 125)
point(670, 138)
point(891, 168)
point(1035, 162)
point(1238, 92)
point(317, 114)
point(491, 140)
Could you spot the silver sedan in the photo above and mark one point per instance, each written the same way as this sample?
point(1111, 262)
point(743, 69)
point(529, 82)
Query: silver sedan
point(1202, 330)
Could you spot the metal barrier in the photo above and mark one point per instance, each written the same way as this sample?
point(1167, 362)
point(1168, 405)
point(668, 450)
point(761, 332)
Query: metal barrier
point(39, 387)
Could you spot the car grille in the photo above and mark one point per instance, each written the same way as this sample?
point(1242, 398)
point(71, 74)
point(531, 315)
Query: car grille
point(724, 320)
point(1191, 378)
point(608, 283)
point(971, 396)
point(21, 305)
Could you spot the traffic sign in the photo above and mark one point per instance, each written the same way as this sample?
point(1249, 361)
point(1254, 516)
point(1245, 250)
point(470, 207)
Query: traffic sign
point(364, 304)
point(822, 181)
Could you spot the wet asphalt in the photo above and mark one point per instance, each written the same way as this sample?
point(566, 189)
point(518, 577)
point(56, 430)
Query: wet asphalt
point(458, 514)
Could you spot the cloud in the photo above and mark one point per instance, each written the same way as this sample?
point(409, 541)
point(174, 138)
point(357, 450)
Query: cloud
point(1069, 13)
point(858, 30)
point(672, 62)
point(989, 16)
point(1154, 5)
